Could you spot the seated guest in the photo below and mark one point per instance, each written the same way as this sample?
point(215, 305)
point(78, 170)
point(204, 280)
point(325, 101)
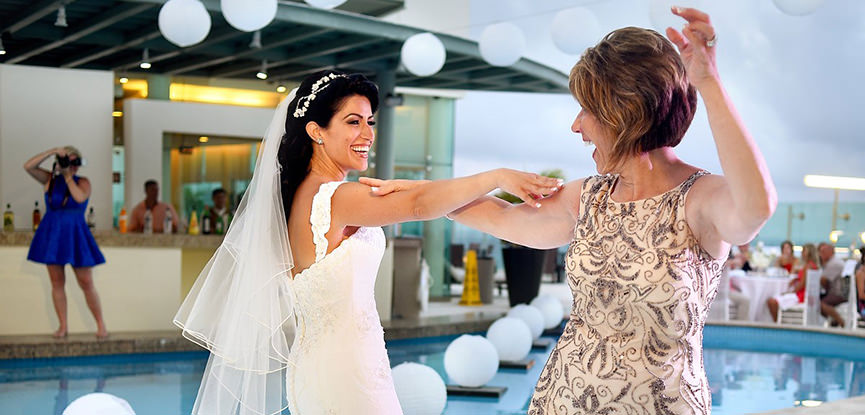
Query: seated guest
point(860, 283)
point(157, 210)
point(787, 260)
point(831, 282)
point(742, 259)
point(742, 302)
point(796, 295)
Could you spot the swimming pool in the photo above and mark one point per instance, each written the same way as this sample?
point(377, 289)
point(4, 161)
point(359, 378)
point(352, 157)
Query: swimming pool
point(749, 370)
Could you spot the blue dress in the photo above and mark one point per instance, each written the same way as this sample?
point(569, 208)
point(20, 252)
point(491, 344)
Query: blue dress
point(63, 236)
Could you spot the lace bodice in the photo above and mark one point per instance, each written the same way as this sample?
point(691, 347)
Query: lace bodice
point(341, 362)
point(642, 287)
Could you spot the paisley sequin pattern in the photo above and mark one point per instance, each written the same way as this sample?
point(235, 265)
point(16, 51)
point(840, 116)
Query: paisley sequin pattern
point(642, 287)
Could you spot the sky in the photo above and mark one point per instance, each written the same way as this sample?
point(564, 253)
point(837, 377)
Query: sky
point(796, 82)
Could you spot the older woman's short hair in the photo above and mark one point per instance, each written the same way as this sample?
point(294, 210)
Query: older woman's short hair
point(634, 82)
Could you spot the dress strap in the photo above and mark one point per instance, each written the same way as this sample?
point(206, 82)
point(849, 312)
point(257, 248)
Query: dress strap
point(320, 217)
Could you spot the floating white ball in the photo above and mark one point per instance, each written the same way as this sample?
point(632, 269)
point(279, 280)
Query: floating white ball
point(798, 7)
point(471, 361)
point(575, 29)
point(531, 316)
point(423, 54)
point(184, 22)
point(99, 404)
point(248, 15)
point(420, 390)
point(511, 338)
point(502, 44)
point(551, 309)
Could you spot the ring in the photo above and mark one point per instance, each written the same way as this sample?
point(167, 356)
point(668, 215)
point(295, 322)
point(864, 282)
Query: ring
point(711, 42)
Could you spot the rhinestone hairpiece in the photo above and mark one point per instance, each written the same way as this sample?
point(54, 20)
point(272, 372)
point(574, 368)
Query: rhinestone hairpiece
point(317, 87)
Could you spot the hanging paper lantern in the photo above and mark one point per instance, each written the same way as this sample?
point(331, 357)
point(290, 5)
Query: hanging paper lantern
point(99, 404)
point(575, 29)
point(248, 15)
point(325, 4)
point(420, 389)
point(471, 361)
point(502, 44)
point(511, 338)
point(423, 54)
point(184, 22)
point(798, 7)
point(531, 316)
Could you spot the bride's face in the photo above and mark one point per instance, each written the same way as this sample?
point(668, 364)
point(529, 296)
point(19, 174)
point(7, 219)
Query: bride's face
point(349, 136)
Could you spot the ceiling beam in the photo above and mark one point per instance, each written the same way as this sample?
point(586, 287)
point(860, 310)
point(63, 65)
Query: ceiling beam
point(223, 36)
point(102, 21)
point(303, 35)
point(32, 14)
point(91, 56)
point(346, 62)
point(328, 48)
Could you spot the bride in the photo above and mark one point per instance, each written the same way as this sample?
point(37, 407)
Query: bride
point(294, 324)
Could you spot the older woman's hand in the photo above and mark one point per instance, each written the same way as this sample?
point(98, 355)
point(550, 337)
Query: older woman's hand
point(527, 186)
point(696, 44)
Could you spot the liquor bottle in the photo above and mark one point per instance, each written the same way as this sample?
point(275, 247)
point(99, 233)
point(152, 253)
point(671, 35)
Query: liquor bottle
point(148, 222)
point(220, 224)
point(121, 220)
point(206, 222)
point(37, 216)
point(91, 219)
point(193, 224)
point(168, 223)
point(8, 219)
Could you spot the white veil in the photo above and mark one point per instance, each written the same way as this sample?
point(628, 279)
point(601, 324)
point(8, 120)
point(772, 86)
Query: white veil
point(241, 306)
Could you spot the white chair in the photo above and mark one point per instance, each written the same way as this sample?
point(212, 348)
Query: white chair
point(807, 313)
point(848, 310)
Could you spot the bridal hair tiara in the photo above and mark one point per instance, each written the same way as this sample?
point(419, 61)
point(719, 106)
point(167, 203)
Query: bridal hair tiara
point(317, 87)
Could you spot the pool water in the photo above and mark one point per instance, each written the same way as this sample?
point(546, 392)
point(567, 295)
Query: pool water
point(166, 384)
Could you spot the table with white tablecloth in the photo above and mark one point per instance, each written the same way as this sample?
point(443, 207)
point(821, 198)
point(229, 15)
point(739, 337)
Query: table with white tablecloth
point(759, 288)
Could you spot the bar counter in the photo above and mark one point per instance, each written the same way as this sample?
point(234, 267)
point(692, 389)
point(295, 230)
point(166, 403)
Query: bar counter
point(141, 284)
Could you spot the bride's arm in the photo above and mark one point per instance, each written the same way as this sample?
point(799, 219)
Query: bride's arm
point(355, 205)
point(549, 226)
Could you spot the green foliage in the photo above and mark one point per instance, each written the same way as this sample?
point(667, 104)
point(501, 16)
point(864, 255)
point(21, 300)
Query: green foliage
point(507, 197)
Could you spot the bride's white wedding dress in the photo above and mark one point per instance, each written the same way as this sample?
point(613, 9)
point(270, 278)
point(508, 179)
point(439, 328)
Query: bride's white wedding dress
point(340, 362)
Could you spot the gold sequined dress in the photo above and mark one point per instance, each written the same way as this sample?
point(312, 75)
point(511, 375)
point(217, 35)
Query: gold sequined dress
point(642, 288)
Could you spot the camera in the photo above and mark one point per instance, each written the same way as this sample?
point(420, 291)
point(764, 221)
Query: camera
point(65, 162)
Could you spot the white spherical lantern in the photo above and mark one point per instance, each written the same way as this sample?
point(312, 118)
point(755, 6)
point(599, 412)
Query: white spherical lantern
point(551, 309)
point(184, 22)
point(471, 361)
point(531, 316)
point(99, 404)
point(325, 4)
point(248, 15)
point(420, 390)
point(502, 44)
point(511, 338)
point(575, 29)
point(423, 54)
point(798, 7)
point(661, 15)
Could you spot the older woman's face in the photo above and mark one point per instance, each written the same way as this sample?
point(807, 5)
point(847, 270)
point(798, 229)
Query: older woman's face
point(588, 126)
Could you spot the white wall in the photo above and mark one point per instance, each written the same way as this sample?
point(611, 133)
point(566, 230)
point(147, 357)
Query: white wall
point(42, 108)
point(145, 121)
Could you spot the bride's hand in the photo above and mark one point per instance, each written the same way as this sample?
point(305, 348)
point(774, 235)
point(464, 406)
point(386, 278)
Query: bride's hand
point(381, 187)
point(527, 186)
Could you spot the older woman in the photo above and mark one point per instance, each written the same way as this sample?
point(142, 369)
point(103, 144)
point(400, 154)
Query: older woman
point(648, 236)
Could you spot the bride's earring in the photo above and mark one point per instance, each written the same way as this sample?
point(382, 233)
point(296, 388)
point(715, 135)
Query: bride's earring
point(318, 141)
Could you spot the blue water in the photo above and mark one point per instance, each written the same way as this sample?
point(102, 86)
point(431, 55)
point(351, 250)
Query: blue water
point(741, 380)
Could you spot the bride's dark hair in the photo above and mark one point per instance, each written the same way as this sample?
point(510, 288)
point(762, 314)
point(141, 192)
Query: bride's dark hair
point(295, 149)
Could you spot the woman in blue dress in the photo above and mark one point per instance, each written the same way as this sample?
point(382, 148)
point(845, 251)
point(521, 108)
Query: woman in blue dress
point(63, 236)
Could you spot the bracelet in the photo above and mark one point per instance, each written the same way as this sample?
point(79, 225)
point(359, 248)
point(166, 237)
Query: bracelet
point(448, 216)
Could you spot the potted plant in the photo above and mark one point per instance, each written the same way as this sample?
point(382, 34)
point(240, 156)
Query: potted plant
point(524, 266)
